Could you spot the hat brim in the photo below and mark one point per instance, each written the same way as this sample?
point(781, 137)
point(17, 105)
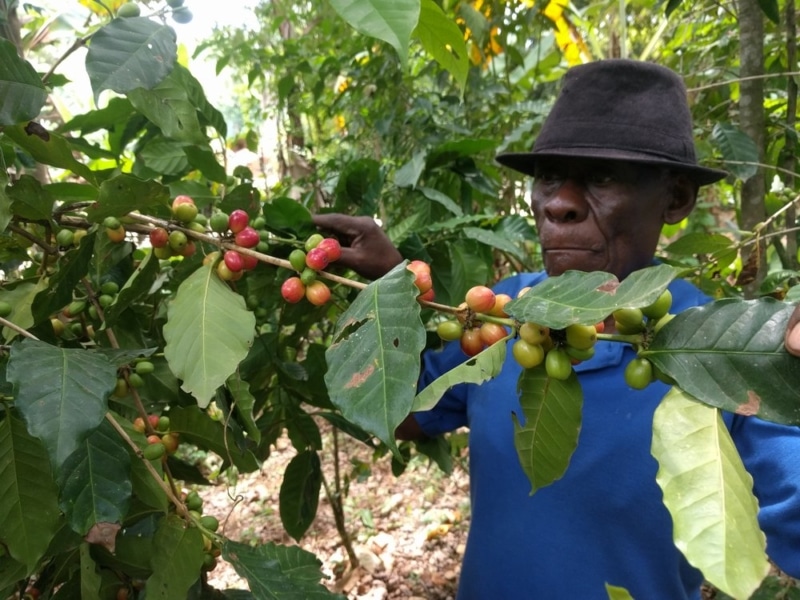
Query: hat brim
point(525, 162)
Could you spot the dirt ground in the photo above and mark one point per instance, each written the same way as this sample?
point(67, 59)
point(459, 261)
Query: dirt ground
point(408, 532)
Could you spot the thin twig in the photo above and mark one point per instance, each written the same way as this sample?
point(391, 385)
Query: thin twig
point(739, 79)
point(17, 328)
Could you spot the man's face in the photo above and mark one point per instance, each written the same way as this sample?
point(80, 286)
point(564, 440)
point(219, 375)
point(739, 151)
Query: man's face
point(598, 215)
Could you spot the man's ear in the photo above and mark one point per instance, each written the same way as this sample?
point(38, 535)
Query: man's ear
point(683, 196)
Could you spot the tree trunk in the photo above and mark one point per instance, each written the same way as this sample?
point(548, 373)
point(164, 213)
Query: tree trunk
point(751, 111)
point(789, 162)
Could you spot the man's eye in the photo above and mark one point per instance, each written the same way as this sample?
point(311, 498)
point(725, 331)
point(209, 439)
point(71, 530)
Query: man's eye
point(600, 179)
point(548, 177)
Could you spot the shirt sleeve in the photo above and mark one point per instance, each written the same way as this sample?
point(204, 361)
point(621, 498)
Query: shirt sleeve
point(770, 454)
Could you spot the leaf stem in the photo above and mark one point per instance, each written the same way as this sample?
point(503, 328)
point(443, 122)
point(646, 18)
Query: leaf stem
point(634, 338)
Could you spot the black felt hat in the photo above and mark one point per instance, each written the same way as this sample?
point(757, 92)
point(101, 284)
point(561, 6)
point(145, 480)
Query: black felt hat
point(622, 110)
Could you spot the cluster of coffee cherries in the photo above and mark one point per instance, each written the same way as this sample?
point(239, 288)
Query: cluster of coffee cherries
point(245, 234)
point(558, 349)
point(474, 334)
point(422, 279)
point(317, 253)
point(161, 442)
point(77, 319)
point(167, 244)
point(640, 372)
point(208, 524)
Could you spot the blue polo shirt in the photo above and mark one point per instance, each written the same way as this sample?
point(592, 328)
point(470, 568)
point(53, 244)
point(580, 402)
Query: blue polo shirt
point(604, 521)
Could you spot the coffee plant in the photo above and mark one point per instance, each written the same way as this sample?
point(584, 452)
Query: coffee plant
point(152, 303)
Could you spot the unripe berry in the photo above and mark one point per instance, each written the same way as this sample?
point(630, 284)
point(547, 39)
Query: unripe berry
point(449, 331)
point(116, 235)
point(492, 333)
point(177, 240)
point(318, 293)
point(639, 373)
point(557, 364)
point(527, 355)
point(581, 337)
point(184, 208)
point(533, 333)
point(219, 222)
point(313, 241)
point(297, 258)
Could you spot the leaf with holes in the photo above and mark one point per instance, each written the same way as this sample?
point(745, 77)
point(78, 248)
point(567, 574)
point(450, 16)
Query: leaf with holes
point(373, 362)
point(730, 354)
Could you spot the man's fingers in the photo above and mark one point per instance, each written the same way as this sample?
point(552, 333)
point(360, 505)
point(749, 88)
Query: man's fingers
point(792, 339)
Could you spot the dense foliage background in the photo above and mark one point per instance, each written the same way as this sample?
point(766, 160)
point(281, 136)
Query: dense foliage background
point(314, 107)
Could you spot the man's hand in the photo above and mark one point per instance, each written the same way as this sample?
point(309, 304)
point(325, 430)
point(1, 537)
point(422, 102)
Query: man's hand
point(366, 249)
point(792, 339)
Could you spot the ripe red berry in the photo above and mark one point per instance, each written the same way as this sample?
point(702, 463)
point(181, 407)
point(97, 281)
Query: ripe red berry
point(153, 420)
point(238, 220)
point(332, 248)
point(189, 249)
point(471, 342)
point(317, 259)
point(293, 290)
point(159, 237)
point(249, 262)
point(428, 296)
point(318, 293)
point(247, 238)
point(233, 260)
point(492, 333)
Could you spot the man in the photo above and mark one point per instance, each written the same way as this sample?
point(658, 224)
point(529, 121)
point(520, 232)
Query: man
point(613, 163)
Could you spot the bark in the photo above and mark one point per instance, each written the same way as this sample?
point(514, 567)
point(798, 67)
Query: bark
point(789, 162)
point(751, 112)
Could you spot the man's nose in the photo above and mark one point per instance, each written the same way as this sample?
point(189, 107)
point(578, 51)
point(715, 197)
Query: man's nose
point(568, 203)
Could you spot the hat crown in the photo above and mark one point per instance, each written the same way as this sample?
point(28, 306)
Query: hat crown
point(624, 105)
point(619, 109)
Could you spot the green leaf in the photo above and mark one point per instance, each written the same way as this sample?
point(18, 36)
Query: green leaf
point(770, 8)
point(95, 481)
point(278, 572)
point(176, 560)
point(49, 148)
point(408, 175)
point(708, 492)
point(738, 150)
point(730, 354)
point(29, 199)
point(164, 156)
point(617, 593)
point(299, 496)
point(493, 240)
point(130, 53)
point(243, 402)
point(204, 160)
point(168, 106)
point(482, 367)
point(373, 361)
point(389, 20)
point(125, 193)
point(22, 93)
point(61, 392)
point(137, 286)
point(11, 572)
point(587, 298)
point(29, 516)
point(208, 333)
point(196, 427)
point(552, 411)
point(91, 581)
point(5, 201)
point(442, 199)
point(699, 243)
point(462, 266)
point(21, 300)
point(286, 215)
point(441, 37)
